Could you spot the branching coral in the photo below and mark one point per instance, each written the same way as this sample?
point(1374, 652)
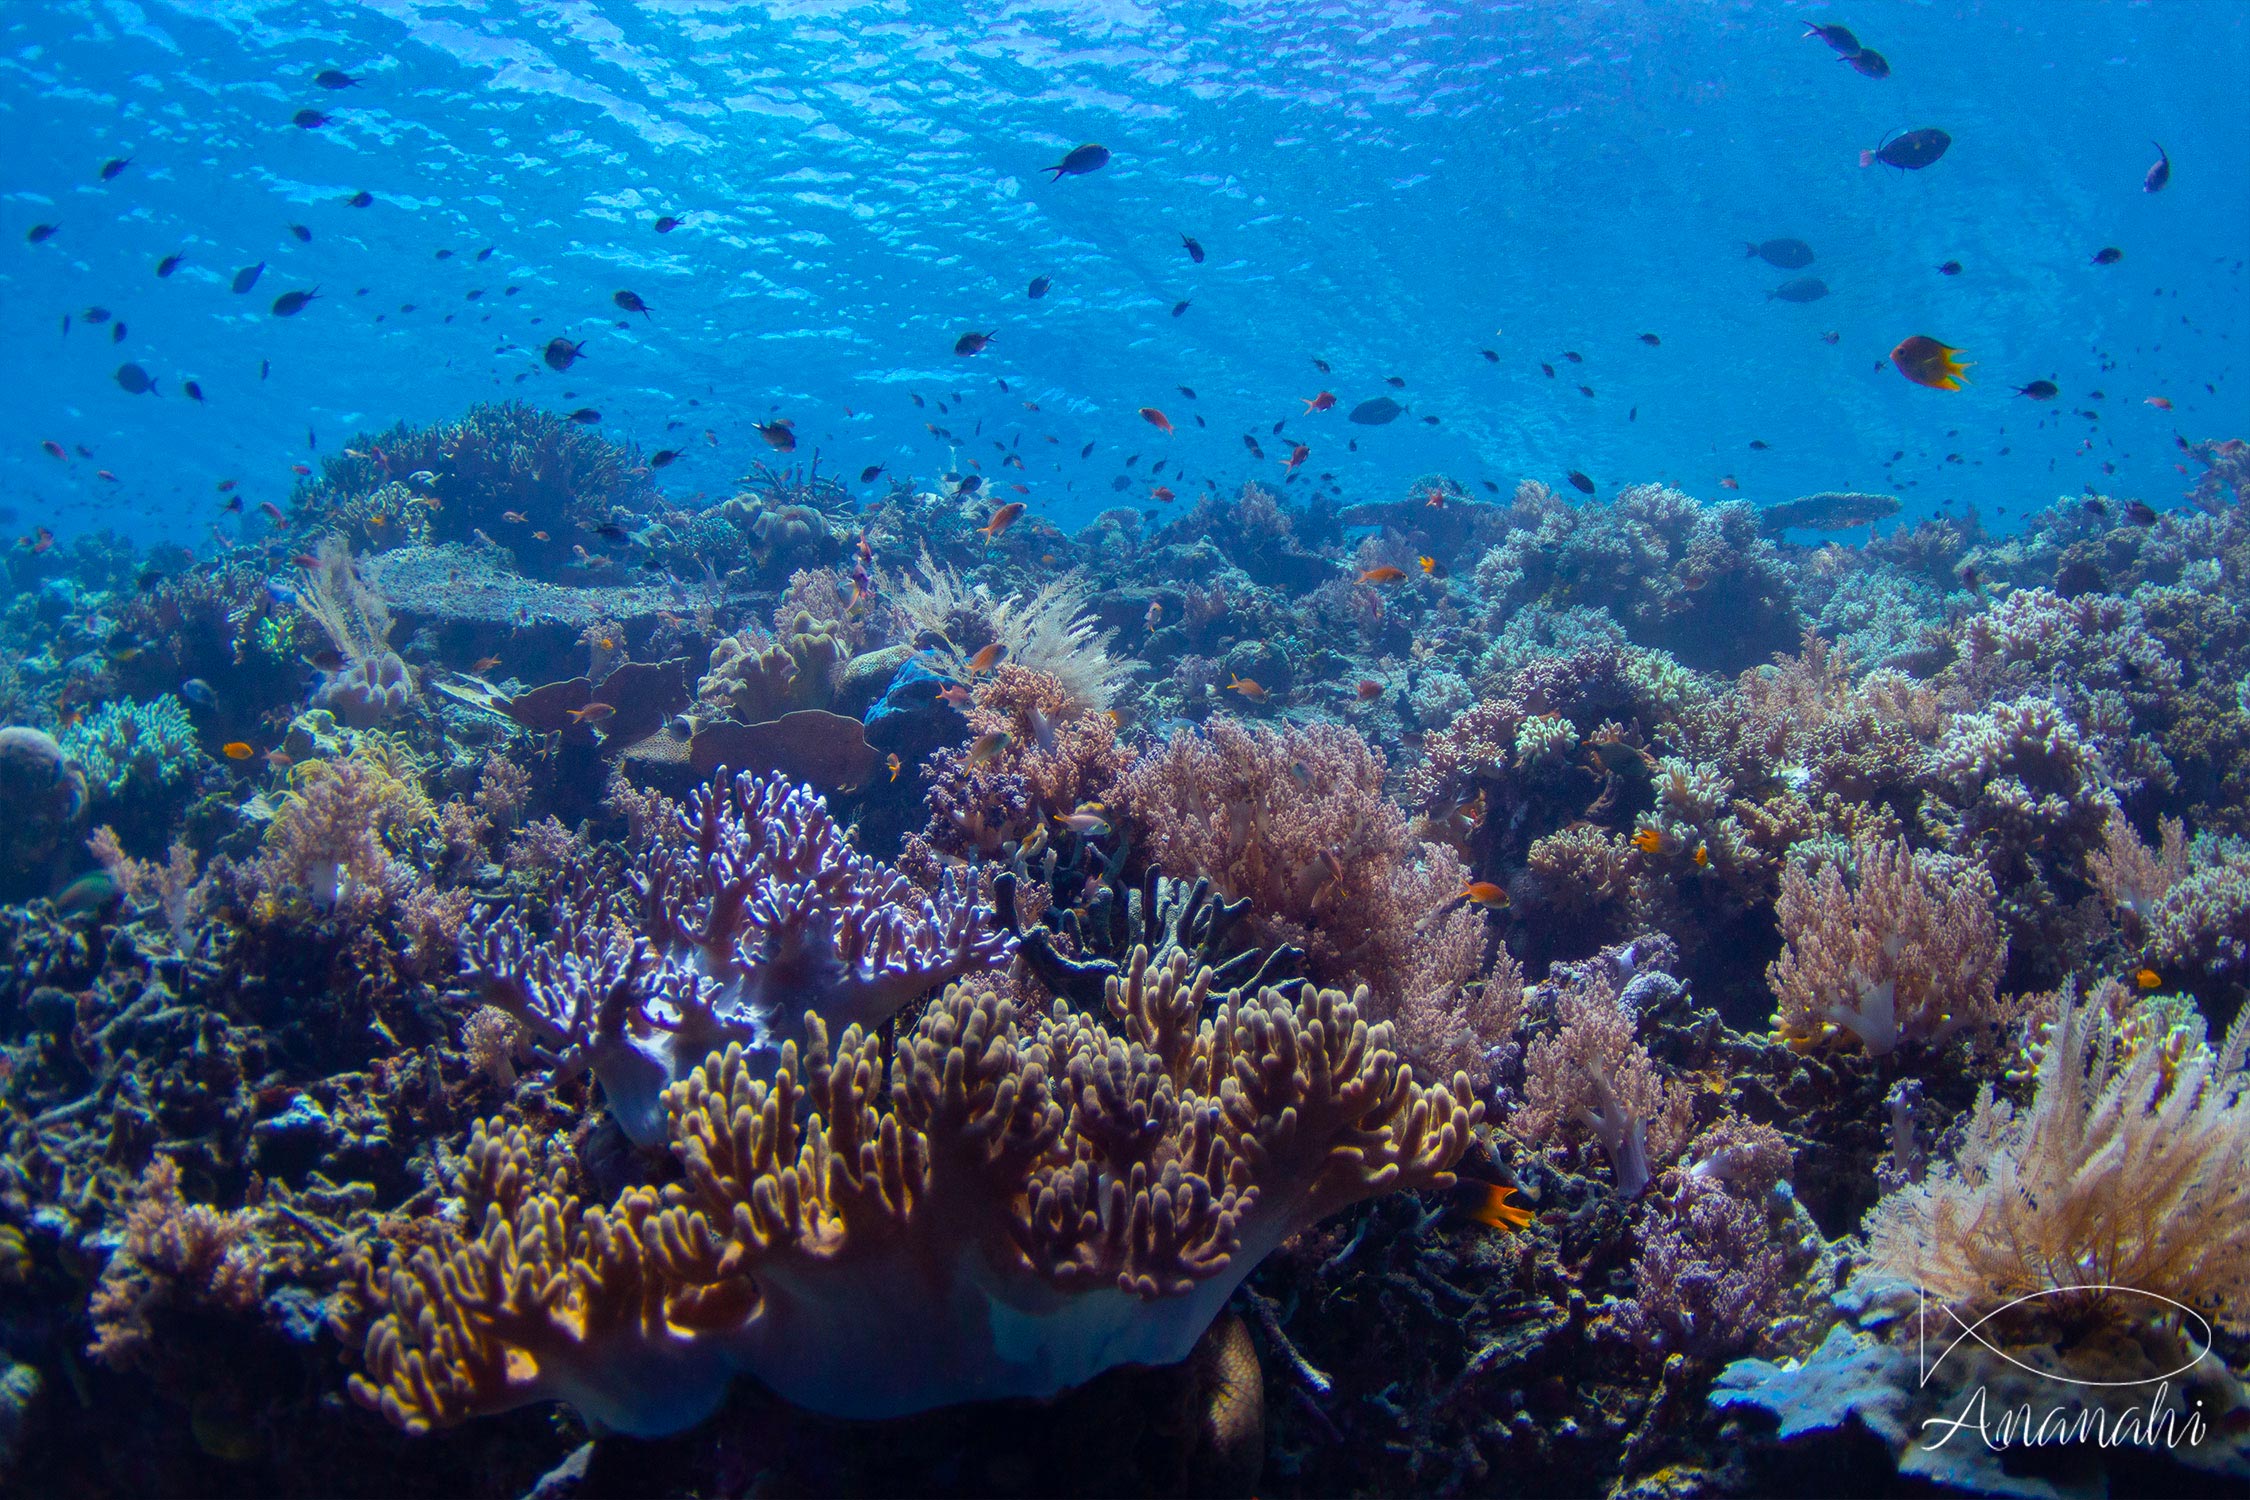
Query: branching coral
point(173, 1253)
point(1907, 950)
point(1696, 580)
point(2124, 1173)
point(1296, 821)
point(753, 911)
point(328, 838)
point(1592, 1077)
point(126, 744)
point(1057, 755)
point(2188, 903)
point(1001, 1205)
point(1707, 1278)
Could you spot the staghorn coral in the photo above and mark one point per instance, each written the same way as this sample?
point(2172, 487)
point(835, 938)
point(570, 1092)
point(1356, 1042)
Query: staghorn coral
point(1000, 1205)
point(1905, 951)
point(751, 909)
point(2124, 1171)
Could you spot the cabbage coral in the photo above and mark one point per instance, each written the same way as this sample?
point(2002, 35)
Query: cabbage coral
point(999, 1204)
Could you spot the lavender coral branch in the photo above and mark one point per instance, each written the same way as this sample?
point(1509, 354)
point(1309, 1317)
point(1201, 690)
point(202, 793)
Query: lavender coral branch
point(754, 909)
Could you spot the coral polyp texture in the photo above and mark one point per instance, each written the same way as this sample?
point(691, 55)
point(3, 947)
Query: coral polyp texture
point(1000, 1203)
point(754, 915)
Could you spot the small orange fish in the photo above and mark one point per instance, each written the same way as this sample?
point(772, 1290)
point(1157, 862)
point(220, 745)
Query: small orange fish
point(1155, 613)
point(1648, 841)
point(956, 695)
point(537, 536)
point(2147, 979)
point(236, 750)
point(2159, 402)
point(105, 474)
point(1729, 483)
point(1428, 565)
point(1002, 519)
point(1321, 402)
point(1925, 361)
point(1488, 1204)
point(1369, 690)
point(1297, 455)
point(894, 763)
point(1703, 856)
point(1157, 420)
point(1384, 574)
point(986, 746)
point(301, 469)
point(1248, 688)
point(39, 540)
point(484, 664)
point(1485, 894)
point(1162, 493)
point(515, 517)
point(985, 660)
point(606, 644)
point(272, 511)
point(593, 713)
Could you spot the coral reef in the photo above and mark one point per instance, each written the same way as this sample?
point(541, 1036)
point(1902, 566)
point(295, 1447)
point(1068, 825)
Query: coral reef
point(1324, 993)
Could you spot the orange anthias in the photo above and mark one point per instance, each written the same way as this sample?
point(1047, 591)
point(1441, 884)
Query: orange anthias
point(1484, 893)
point(1925, 361)
point(1002, 519)
point(1248, 688)
point(1489, 1204)
point(1321, 402)
point(1156, 419)
point(1297, 455)
point(1383, 574)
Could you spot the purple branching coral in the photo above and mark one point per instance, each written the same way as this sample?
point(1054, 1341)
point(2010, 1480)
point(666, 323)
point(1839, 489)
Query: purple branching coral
point(753, 909)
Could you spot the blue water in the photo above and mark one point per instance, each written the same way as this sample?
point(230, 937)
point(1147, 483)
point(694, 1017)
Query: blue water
point(1389, 187)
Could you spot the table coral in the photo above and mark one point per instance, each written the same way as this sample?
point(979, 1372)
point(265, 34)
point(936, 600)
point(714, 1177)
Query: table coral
point(1001, 1204)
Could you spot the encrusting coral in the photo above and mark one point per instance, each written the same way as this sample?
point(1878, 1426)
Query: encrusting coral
point(998, 1204)
point(754, 910)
